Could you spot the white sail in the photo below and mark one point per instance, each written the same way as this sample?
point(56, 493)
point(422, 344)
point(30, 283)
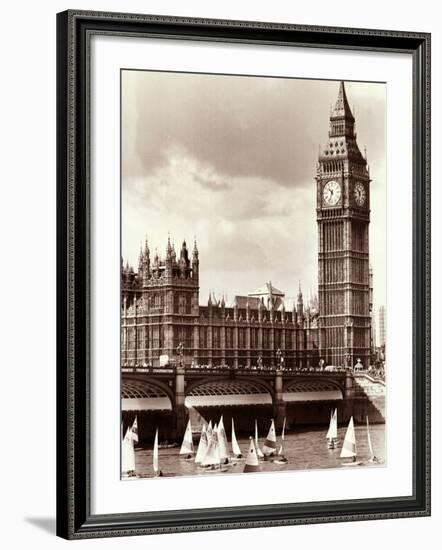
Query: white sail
point(212, 455)
point(202, 446)
point(223, 444)
point(258, 450)
point(349, 445)
point(335, 425)
point(329, 436)
point(333, 428)
point(217, 451)
point(134, 430)
point(252, 463)
point(127, 453)
point(269, 446)
point(281, 447)
point(209, 429)
point(187, 445)
point(235, 447)
point(370, 446)
point(155, 453)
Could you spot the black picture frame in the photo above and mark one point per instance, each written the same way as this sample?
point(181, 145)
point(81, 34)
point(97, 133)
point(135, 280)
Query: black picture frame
point(74, 518)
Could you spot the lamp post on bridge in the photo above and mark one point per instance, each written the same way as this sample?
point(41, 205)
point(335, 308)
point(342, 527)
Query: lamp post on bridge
point(179, 350)
point(279, 360)
point(279, 409)
point(180, 409)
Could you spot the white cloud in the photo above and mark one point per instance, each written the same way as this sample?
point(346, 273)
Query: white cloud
point(231, 161)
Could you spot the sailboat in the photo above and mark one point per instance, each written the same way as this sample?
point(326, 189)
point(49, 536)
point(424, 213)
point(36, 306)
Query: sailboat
point(156, 469)
point(252, 462)
point(209, 429)
point(373, 457)
point(202, 446)
point(281, 458)
point(128, 456)
point(187, 449)
point(269, 447)
point(259, 453)
point(212, 460)
point(134, 430)
point(332, 434)
point(349, 446)
point(235, 447)
point(222, 442)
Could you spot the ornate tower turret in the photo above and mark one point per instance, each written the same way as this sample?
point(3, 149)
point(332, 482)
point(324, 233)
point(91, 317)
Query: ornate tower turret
point(144, 265)
point(156, 264)
point(169, 258)
point(140, 260)
point(184, 263)
point(195, 262)
point(300, 305)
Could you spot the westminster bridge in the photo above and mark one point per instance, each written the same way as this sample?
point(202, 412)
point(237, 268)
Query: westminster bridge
point(167, 396)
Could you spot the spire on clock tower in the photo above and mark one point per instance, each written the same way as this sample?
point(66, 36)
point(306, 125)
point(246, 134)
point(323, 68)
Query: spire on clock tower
point(342, 143)
point(342, 121)
point(342, 107)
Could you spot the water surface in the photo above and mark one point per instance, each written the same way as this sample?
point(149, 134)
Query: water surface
point(304, 449)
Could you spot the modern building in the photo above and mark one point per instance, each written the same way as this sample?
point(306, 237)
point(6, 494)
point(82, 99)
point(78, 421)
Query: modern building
point(382, 321)
point(162, 315)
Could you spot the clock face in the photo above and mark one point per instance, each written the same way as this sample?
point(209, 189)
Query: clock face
point(359, 193)
point(331, 193)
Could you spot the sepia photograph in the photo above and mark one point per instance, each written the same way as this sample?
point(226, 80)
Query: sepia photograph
point(253, 274)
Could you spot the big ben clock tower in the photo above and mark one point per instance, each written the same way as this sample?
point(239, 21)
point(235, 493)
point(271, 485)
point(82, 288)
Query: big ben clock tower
point(343, 216)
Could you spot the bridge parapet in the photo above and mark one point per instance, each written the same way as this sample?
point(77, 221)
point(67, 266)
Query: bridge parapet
point(265, 372)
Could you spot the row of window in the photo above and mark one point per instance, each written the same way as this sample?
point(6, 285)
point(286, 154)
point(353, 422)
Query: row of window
point(253, 338)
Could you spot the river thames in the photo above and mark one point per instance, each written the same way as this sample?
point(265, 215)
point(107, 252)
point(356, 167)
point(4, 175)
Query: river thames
point(304, 449)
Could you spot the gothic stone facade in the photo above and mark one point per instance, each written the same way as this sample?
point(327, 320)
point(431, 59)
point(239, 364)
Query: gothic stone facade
point(161, 311)
point(160, 302)
point(343, 217)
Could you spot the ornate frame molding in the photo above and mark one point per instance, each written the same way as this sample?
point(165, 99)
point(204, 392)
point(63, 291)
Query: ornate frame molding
point(74, 30)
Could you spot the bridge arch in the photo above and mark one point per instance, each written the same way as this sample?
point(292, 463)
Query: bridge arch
point(234, 392)
point(308, 390)
point(137, 395)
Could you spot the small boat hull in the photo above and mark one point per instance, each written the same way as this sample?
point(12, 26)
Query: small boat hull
point(167, 445)
point(269, 457)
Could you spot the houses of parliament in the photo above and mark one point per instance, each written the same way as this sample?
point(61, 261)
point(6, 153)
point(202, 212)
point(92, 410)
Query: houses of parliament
point(161, 310)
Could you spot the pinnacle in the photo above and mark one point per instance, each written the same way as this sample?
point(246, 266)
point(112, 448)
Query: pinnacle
point(342, 107)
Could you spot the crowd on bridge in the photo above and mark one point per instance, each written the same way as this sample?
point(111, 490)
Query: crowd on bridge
point(377, 372)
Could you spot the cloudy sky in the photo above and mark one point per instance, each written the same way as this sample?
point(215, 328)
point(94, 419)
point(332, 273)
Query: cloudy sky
point(231, 161)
